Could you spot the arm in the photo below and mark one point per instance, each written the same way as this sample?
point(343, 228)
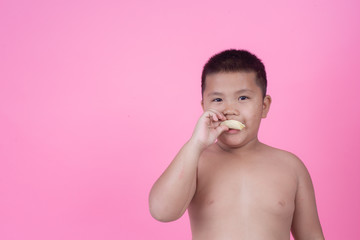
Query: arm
point(175, 188)
point(306, 224)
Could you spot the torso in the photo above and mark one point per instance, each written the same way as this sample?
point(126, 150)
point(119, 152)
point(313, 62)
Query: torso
point(248, 196)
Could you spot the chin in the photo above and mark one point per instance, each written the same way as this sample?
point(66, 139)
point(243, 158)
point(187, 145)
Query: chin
point(232, 142)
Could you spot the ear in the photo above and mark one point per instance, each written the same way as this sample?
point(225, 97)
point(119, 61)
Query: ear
point(266, 106)
point(202, 104)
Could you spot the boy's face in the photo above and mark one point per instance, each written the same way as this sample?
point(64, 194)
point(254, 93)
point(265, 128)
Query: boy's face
point(238, 97)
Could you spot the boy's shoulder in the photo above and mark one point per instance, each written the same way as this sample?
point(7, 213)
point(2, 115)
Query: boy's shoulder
point(280, 153)
point(289, 158)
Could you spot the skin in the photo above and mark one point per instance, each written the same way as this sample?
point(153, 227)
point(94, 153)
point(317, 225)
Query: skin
point(234, 186)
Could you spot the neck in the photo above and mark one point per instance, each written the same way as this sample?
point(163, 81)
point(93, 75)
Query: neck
point(249, 146)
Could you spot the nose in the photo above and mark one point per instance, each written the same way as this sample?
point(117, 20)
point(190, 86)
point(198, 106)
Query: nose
point(230, 109)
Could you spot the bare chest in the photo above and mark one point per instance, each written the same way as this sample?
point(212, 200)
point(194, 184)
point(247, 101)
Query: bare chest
point(244, 190)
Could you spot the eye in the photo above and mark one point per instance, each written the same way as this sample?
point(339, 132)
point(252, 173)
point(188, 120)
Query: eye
point(217, 100)
point(242, 98)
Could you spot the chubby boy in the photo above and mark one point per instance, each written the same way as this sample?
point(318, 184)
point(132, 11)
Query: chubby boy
point(234, 186)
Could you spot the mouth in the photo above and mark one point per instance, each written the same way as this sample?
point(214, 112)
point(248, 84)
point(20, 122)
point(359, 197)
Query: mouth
point(232, 131)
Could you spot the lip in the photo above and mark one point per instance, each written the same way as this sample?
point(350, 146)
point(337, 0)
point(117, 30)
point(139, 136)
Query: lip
point(232, 131)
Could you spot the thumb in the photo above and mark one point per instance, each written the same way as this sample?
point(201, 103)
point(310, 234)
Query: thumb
point(220, 129)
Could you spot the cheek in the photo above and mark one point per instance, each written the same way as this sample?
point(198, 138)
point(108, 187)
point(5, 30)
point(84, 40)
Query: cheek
point(252, 113)
point(212, 105)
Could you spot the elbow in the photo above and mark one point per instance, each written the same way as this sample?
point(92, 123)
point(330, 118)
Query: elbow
point(161, 217)
point(162, 212)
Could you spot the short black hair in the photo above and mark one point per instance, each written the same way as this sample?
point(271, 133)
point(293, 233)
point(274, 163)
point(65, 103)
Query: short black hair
point(233, 60)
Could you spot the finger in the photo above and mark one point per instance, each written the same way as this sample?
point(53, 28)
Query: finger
point(211, 115)
point(219, 115)
point(222, 117)
point(220, 129)
point(215, 118)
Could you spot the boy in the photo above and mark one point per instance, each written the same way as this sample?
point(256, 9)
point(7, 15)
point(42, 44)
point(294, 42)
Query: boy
point(234, 186)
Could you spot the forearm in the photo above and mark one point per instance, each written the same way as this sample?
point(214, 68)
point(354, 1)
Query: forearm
point(173, 191)
point(320, 237)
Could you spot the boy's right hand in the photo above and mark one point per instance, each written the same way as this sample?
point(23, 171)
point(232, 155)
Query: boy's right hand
point(208, 128)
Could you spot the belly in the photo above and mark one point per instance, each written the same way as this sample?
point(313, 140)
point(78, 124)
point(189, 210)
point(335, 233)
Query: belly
point(243, 207)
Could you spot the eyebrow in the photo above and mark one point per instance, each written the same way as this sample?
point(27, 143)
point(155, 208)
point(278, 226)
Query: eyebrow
point(245, 90)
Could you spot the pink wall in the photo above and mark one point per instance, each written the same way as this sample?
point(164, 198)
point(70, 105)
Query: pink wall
point(96, 97)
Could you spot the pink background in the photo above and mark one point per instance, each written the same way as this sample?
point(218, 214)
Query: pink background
point(96, 98)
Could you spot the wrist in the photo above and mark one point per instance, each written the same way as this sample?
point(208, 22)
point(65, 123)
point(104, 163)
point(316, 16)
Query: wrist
point(196, 145)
